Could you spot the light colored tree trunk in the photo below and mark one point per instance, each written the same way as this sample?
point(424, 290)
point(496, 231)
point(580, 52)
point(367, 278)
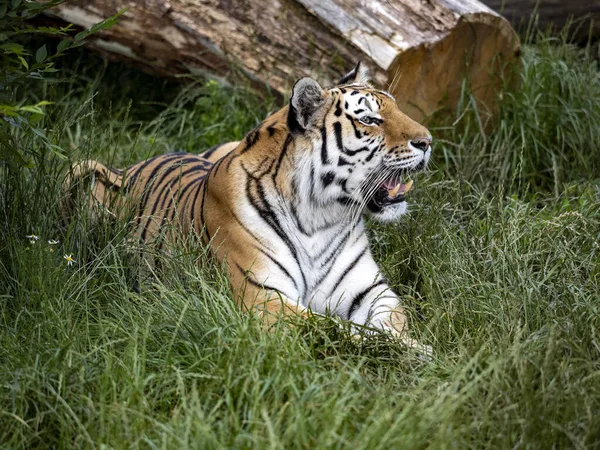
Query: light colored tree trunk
point(420, 50)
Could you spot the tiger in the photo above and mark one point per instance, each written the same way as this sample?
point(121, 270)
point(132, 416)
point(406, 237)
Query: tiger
point(283, 209)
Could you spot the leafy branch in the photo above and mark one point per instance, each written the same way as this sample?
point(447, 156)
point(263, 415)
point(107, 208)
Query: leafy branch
point(19, 64)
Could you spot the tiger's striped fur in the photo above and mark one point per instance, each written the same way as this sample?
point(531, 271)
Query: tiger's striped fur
point(283, 208)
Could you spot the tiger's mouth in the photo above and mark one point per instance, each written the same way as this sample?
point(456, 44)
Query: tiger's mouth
point(390, 192)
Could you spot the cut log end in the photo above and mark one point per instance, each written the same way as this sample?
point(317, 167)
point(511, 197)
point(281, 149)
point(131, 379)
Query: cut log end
point(429, 79)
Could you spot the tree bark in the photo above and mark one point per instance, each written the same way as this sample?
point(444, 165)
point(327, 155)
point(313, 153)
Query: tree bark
point(420, 50)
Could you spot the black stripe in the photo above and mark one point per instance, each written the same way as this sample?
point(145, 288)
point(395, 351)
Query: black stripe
point(348, 269)
point(191, 184)
point(134, 176)
point(251, 139)
point(338, 107)
point(286, 144)
point(338, 247)
point(147, 189)
point(354, 152)
point(104, 180)
point(217, 165)
point(311, 194)
point(261, 165)
point(246, 229)
point(299, 224)
point(334, 253)
point(278, 264)
point(327, 178)
point(324, 157)
point(195, 203)
point(357, 300)
point(269, 216)
point(347, 201)
point(164, 193)
point(259, 285)
point(231, 158)
point(204, 191)
point(266, 254)
point(370, 157)
point(357, 133)
point(208, 153)
point(293, 210)
point(337, 129)
point(342, 182)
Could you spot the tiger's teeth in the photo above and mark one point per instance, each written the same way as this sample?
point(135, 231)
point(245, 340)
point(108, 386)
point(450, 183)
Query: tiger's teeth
point(394, 192)
point(408, 186)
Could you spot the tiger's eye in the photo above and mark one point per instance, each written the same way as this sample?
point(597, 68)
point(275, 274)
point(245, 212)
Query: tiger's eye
point(369, 120)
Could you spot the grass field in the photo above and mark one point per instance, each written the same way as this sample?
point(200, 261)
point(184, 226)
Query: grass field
point(498, 263)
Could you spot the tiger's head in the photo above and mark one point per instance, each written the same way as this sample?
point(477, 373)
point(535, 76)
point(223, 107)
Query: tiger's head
point(363, 147)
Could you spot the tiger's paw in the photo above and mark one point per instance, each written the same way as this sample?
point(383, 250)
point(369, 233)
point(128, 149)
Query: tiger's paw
point(397, 326)
point(424, 351)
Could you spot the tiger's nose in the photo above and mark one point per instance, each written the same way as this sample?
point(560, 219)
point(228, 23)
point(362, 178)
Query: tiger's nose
point(422, 143)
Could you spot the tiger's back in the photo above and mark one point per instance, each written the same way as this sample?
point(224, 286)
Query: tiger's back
point(152, 193)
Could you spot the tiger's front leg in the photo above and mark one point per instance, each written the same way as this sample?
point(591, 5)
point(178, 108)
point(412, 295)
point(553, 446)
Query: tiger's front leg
point(269, 304)
point(379, 308)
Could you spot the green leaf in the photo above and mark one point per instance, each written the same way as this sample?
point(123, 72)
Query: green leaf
point(35, 118)
point(58, 151)
point(11, 154)
point(31, 109)
point(63, 45)
point(15, 3)
point(81, 35)
point(11, 114)
point(8, 110)
point(26, 14)
point(12, 48)
point(41, 54)
point(23, 62)
point(39, 132)
point(35, 6)
point(107, 23)
point(3, 9)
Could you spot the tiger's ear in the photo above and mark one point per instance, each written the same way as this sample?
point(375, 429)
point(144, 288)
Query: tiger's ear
point(358, 75)
point(306, 100)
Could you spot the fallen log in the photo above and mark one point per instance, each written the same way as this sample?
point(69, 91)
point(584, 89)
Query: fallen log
point(420, 50)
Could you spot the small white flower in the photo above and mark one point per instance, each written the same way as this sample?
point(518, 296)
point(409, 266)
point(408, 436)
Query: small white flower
point(53, 242)
point(69, 259)
point(32, 238)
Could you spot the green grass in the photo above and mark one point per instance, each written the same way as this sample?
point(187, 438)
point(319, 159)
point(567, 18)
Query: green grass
point(498, 263)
